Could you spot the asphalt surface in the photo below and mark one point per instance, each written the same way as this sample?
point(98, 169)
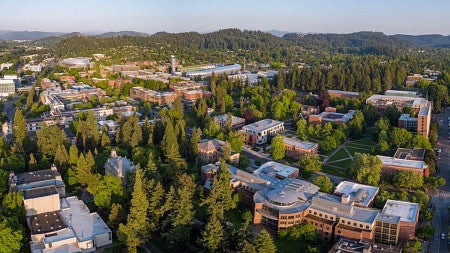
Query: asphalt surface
point(441, 198)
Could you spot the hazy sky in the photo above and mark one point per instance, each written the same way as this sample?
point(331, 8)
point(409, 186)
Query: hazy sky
point(337, 16)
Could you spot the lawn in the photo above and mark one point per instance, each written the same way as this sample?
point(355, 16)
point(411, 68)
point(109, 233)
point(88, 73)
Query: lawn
point(334, 171)
point(364, 142)
point(340, 154)
point(353, 150)
point(344, 164)
point(234, 216)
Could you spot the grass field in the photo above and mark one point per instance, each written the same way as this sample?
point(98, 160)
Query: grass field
point(339, 163)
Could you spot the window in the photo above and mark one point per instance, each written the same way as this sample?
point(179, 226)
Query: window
point(320, 214)
point(367, 226)
point(349, 223)
point(283, 217)
point(326, 216)
point(339, 231)
point(360, 225)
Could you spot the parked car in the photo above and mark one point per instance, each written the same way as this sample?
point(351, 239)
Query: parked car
point(443, 236)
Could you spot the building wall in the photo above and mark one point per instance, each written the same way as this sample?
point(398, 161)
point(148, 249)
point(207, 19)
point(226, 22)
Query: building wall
point(390, 169)
point(42, 205)
point(407, 230)
point(352, 233)
point(423, 125)
point(103, 239)
point(295, 152)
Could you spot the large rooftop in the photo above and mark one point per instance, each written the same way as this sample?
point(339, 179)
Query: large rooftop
point(298, 143)
point(35, 176)
point(273, 171)
point(391, 161)
point(359, 193)
point(406, 210)
point(409, 153)
point(85, 225)
point(262, 125)
point(46, 222)
point(401, 93)
point(414, 102)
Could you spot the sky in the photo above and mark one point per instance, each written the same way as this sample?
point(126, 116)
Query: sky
point(149, 16)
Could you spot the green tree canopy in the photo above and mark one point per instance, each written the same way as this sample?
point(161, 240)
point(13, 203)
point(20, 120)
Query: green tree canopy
point(324, 183)
point(310, 163)
point(366, 168)
point(278, 149)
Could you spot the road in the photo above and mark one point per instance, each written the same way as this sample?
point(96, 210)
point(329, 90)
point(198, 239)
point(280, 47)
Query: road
point(441, 198)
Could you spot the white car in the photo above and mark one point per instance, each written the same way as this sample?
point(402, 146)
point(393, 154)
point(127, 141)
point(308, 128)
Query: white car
point(443, 236)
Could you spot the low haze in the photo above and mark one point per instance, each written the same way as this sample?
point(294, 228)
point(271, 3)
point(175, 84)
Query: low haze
point(335, 16)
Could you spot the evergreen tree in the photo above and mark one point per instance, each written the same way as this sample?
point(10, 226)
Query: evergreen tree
point(169, 144)
point(73, 155)
point(220, 198)
point(193, 146)
point(19, 130)
point(264, 243)
point(156, 202)
point(105, 140)
point(116, 216)
point(62, 157)
point(49, 138)
point(136, 232)
point(212, 236)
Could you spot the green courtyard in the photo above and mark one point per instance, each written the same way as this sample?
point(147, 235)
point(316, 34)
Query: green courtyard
point(340, 160)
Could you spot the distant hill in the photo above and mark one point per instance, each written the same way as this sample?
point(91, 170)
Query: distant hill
point(26, 35)
point(278, 33)
point(123, 33)
point(431, 40)
point(360, 42)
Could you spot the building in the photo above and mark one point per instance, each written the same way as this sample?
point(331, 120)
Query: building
point(416, 154)
point(158, 97)
point(7, 87)
point(78, 62)
point(280, 200)
point(345, 245)
point(295, 148)
point(420, 106)
point(392, 165)
point(342, 94)
point(307, 110)
point(57, 224)
point(236, 122)
point(260, 132)
point(118, 166)
point(358, 194)
point(128, 67)
point(218, 70)
point(332, 117)
point(412, 80)
point(209, 151)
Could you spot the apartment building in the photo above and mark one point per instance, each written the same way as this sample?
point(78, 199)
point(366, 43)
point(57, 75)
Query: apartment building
point(260, 132)
point(295, 148)
point(236, 122)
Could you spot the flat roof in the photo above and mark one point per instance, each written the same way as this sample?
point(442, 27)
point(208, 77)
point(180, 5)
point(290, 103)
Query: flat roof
point(359, 193)
point(391, 161)
point(342, 92)
point(409, 153)
point(406, 210)
point(224, 118)
point(85, 225)
point(393, 219)
point(274, 169)
point(299, 143)
point(40, 192)
point(46, 222)
point(401, 93)
point(262, 125)
point(386, 99)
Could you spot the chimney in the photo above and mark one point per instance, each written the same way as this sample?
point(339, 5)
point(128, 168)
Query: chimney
point(345, 198)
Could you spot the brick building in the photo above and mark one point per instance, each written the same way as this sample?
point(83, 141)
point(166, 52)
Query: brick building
point(158, 97)
point(236, 122)
point(295, 148)
point(332, 116)
point(280, 200)
point(209, 151)
point(392, 165)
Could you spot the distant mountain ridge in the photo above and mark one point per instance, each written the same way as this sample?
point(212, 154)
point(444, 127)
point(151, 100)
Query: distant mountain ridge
point(368, 42)
point(26, 35)
point(123, 33)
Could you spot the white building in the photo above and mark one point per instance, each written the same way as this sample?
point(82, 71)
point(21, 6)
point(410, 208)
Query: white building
point(7, 87)
point(258, 132)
